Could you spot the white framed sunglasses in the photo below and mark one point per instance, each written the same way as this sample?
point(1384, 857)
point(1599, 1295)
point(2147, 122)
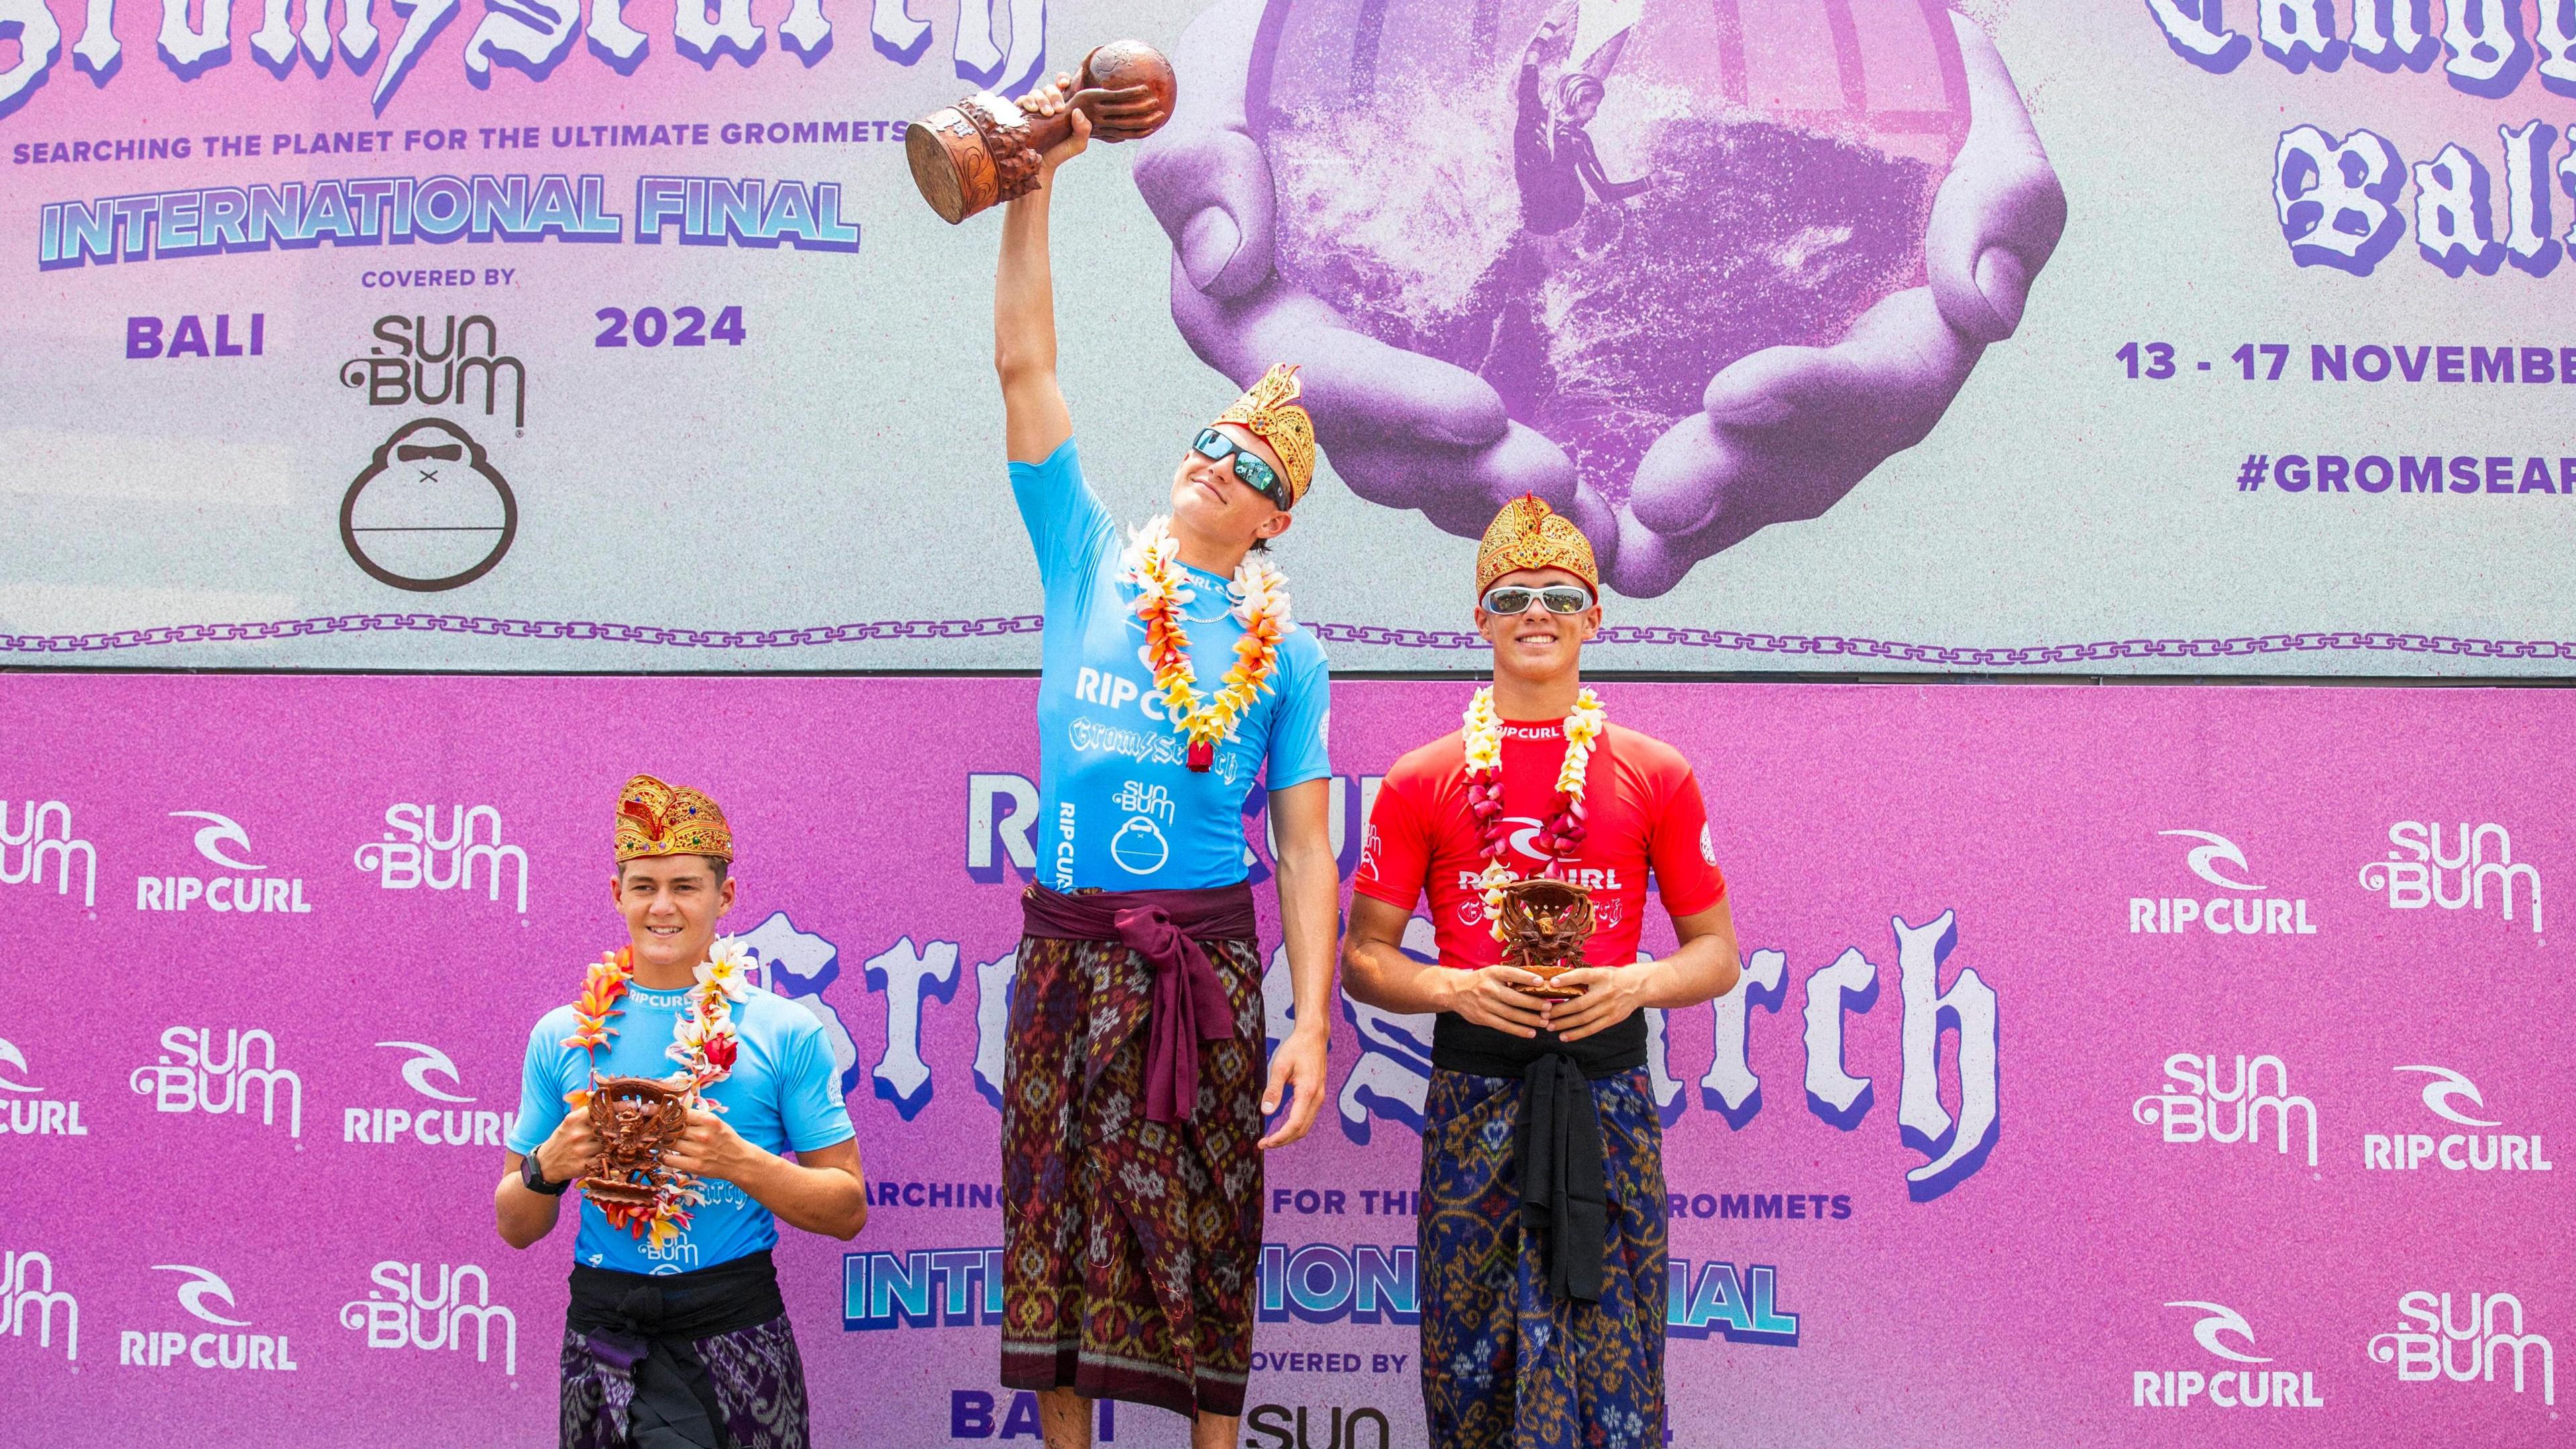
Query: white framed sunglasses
point(1517, 598)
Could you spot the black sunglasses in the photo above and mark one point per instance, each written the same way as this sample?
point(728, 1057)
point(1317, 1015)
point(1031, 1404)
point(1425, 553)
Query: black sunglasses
point(1216, 447)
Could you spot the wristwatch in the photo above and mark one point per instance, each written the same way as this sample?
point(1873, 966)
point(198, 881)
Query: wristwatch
point(532, 1178)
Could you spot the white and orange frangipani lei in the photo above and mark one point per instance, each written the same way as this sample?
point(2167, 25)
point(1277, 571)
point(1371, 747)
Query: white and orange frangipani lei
point(703, 1041)
point(1163, 593)
point(1482, 730)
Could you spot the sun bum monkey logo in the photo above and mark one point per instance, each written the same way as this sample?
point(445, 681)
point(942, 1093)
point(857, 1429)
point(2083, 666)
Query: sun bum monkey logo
point(430, 512)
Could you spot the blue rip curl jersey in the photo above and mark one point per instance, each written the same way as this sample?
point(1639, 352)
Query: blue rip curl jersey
point(1119, 807)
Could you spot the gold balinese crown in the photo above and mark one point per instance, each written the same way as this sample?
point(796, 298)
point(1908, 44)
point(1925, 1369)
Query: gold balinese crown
point(657, 818)
point(1528, 534)
point(1270, 409)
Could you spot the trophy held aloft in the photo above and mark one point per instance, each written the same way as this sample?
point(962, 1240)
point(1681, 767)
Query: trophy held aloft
point(985, 150)
point(1545, 926)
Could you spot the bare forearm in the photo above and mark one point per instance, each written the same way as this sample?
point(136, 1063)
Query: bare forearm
point(827, 1200)
point(1309, 890)
point(1376, 974)
point(1701, 969)
point(1024, 289)
point(523, 1217)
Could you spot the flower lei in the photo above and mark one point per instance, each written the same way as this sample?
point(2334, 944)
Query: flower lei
point(703, 1042)
point(1564, 830)
point(1162, 590)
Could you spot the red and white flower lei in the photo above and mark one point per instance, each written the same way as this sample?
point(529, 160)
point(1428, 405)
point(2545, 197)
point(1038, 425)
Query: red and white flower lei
point(1563, 832)
point(1163, 591)
point(703, 1041)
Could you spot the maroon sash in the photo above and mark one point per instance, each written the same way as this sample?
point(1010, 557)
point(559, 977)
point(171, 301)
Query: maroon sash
point(1188, 1003)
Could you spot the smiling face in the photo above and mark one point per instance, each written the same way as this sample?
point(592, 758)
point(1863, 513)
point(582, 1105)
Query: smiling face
point(1210, 501)
point(672, 904)
point(1537, 645)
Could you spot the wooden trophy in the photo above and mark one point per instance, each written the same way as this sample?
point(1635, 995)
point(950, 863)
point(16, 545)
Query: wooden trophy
point(985, 150)
point(637, 1119)
point(1545, 925)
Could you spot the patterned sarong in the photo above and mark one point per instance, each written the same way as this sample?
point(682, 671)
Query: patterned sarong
point(1131, 1249)
point(759, 1382)
point(1504, 1364)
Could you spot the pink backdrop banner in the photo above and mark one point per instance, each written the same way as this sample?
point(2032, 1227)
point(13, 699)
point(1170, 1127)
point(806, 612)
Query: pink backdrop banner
point(2162, 1066)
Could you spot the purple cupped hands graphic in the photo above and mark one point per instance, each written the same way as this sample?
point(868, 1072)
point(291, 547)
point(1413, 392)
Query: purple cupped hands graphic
point(1681, 278)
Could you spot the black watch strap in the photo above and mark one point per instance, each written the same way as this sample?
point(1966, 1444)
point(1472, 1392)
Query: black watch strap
point(534, 1178)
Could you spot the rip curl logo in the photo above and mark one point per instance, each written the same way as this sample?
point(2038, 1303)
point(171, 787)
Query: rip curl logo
point(199, 1296)
point(221, 841)
point(399, 1312)
point(2419, 872)
point(2456, 1100)
point(2198, 1105)
point(443, 1117)
point(2428, 1345)
point(28, 1299)
point(26, 1111)
point(2243, 911)
point(2223, 1333)
point(44, 834)
point(429, 512)
point(191, 1077)
point(415, 855)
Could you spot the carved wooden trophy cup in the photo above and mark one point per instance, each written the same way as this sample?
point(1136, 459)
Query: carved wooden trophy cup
point(984, 150)
point(1545, 925)
point(637, 1119)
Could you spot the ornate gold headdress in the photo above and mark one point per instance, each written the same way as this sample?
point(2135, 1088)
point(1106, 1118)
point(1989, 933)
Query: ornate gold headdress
point(658, 818)
point(1270, 409)
point(1528, 534)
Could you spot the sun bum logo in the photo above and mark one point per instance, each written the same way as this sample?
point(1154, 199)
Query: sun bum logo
point(200, 1081)
point(28, 1299)
point(1282, 1427)
point(413, 855)
point(2195, 1107)
point(403, 369)
point(2418, 871)
point(398, 1313)
point(2434, 1347)
point(46, 834)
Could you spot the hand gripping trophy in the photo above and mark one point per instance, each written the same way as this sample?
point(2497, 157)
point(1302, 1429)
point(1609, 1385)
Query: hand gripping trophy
point(984, 150)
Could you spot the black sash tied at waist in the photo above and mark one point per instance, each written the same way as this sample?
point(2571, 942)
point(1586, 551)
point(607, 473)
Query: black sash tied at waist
point(1187, 1004)
point(1565, 1194)
point(646, 1327)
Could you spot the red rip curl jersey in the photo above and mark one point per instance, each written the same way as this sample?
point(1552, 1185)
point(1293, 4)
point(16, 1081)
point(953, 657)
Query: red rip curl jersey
point(1642, 811)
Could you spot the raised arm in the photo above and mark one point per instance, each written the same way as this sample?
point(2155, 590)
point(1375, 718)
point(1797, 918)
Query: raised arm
point(1035, 421)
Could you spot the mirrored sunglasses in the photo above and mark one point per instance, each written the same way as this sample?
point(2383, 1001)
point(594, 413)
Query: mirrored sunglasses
point(1559, 598)
point(1216, 447)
